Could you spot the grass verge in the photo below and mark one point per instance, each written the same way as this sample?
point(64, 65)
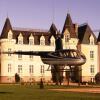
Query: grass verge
point(28, 92)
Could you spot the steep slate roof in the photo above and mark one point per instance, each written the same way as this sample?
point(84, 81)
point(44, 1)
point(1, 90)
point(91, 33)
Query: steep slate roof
point(37, 33)
point(6, 28)
point(53, 30)
point(98, 39)
point(70, 26)
point(84, 33)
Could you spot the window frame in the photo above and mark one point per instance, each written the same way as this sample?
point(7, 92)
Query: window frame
point(31, 69)
point(20, 69)
point(91, 54)
point(92, 69)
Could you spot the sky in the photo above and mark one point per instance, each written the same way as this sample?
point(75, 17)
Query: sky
point(39, 14)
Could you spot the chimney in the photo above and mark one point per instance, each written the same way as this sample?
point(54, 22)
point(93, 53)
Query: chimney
point(76, 29)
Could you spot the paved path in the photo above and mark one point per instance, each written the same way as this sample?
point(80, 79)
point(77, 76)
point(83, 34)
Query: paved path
point(85, 90)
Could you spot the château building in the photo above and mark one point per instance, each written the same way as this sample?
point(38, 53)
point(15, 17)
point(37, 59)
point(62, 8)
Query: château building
point(31, 68)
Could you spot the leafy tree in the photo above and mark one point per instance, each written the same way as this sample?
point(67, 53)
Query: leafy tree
point(17, 78)
point(97, 78)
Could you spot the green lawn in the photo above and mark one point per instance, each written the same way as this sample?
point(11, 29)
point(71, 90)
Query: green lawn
point(21, 92)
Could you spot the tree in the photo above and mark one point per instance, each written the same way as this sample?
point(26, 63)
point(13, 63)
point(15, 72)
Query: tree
point(97, 78)
point(17, 78)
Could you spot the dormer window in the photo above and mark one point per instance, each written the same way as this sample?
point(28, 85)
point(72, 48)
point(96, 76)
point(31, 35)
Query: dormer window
point(42, 40)
point(31, 40)
point(67, 37)
point(91, 40)
point(52, 41)
point(20, 39)
point(10, 35)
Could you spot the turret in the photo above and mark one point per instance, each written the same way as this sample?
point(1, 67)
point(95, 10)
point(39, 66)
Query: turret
point(7, 27)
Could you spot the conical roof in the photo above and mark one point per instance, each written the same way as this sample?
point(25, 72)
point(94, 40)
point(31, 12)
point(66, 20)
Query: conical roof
point(70, 26)
point(6, 28)
point(53, 29)
point(68, 20)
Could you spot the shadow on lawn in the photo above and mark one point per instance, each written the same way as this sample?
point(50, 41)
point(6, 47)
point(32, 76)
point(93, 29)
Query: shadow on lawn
point(6, 92)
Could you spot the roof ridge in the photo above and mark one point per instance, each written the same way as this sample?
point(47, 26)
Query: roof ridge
point(83, 24)
point(29, 29)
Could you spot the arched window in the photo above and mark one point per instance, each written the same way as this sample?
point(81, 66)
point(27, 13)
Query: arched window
point(52, 41)
point(10, 35)
point(42, 40)
point(31, 40)
point(20, 39)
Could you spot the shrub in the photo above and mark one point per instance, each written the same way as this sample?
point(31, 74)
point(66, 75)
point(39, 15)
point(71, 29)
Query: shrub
point(17, 78)
point(97, 78)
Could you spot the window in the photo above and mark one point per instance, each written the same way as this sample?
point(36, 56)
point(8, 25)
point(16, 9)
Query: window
point(52, 41)
point(19, 55)
point(31, 57)
point(67, 37)
point(42, 69)
point(31, 79)
point(9, 79)
point(10, 35)
point(92, 79)
point(20, 39)
point(20, 42)
point(9, 50)
point(31, 41)
point(91, 40)
point(9, 68)
point(42, 40)
point(19, 68)
point(92, 54)
point(31, 69)
point(92, 69)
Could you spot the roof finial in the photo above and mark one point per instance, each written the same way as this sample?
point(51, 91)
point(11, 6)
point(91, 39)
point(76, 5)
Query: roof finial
point(53, 11)
point(87, 21)
point(7, 15)
point(68, 11)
